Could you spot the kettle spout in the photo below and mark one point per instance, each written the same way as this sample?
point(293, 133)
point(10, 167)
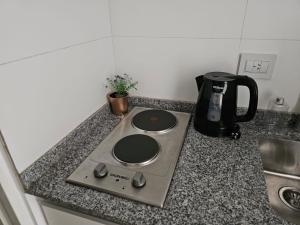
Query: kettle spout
point(199, 81)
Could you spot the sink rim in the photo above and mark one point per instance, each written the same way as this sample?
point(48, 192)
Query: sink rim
point(280, 156)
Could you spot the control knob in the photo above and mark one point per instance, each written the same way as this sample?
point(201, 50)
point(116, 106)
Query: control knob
point(138, 180)
point(100, 170)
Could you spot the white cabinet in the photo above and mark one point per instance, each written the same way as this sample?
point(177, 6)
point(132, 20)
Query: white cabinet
point(59, 216)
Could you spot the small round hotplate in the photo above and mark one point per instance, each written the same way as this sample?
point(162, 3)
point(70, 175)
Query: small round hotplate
point(154, 120)
point(136, 149)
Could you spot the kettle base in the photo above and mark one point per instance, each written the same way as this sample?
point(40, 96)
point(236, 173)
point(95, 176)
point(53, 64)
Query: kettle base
point(233, 132)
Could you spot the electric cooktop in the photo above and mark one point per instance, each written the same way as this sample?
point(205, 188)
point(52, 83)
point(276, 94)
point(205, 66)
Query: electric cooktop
point(138, 158)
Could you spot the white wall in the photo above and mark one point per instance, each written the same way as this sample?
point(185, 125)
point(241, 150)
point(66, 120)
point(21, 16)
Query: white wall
point(165, 44)
point(33, 27)
point(54, 57)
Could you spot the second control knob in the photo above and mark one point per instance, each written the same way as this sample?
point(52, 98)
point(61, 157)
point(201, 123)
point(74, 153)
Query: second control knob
point(100, 170)
point(138, 180)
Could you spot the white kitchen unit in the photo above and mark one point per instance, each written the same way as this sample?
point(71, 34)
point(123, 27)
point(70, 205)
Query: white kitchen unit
point(60, 216)
point(13, 205)
point(7, 215)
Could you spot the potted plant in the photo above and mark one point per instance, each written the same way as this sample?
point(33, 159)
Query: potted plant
point(120, 85)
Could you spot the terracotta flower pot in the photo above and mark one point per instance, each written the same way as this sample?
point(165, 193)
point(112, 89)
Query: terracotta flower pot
point(118, 105)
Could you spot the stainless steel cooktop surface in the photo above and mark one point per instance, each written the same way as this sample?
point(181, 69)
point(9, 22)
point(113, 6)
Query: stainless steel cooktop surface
point(138, 158)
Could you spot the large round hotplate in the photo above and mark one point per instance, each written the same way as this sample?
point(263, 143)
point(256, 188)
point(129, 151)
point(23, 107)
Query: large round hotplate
point(136, 149)
point(154, 120)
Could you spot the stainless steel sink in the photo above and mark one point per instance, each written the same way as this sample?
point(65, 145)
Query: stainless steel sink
point(281, 162)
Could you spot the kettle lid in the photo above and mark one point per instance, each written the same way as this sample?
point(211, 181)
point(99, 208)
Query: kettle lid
point(220, 76)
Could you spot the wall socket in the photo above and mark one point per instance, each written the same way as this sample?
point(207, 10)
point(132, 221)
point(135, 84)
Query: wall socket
point(258, 66)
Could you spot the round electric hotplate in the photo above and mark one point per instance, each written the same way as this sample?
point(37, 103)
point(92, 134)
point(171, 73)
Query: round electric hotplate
point(154, 120)
point(137, 149)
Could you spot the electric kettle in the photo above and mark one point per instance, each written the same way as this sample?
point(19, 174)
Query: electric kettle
point(216, 108)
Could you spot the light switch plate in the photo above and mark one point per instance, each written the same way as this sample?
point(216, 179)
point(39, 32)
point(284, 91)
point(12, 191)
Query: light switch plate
point(258, 66)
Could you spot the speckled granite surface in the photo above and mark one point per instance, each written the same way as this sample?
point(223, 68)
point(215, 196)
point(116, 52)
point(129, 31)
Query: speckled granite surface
point(216, 181)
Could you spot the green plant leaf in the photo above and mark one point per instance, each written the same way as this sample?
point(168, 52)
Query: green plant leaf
point(121, 84)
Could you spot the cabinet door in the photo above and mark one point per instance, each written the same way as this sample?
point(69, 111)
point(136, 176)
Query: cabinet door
point(59, 216)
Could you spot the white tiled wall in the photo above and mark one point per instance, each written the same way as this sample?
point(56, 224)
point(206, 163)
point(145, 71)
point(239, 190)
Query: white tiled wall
point(44, 97)
point(165, 44)
point(286, 77)
point(33, 27)
point(178, 18)
point(166, 67)
point(54, 57)
point(272, 19)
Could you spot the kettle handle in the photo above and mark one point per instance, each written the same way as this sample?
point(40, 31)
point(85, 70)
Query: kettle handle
point(251, 84)
point(199, 81)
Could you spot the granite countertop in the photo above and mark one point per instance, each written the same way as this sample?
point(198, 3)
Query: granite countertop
point(216, 180)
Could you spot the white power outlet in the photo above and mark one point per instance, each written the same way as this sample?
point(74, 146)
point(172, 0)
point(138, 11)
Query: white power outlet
point(258, 66)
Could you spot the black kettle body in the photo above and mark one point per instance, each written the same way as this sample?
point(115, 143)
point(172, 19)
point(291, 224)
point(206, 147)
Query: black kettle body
point(216, 108)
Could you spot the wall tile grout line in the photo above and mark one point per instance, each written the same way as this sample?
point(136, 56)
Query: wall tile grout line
point(243, 24)
point(203, 38)
point(144, 37)
point(241, 36)
point(112, 38)
point(271, 39)
point(54, 50)
point(173, 37)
